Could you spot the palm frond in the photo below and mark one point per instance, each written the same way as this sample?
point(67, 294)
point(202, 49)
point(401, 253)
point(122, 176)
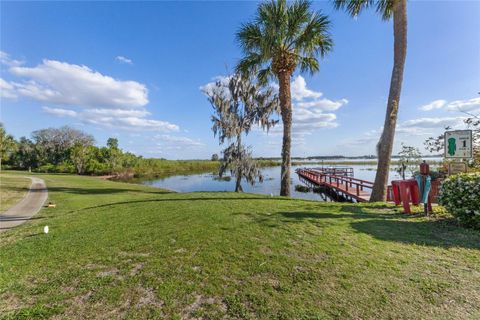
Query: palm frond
point(355, 7)
point(309, 64)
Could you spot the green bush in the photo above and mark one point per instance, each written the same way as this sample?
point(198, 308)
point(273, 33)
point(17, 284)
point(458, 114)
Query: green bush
point(64, 167)
point(46, 168)
point(460, 195)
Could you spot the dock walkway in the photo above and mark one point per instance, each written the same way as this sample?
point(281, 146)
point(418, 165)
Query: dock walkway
point(349, 187)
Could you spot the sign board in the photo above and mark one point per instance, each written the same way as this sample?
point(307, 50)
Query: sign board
point(458, 144)
point(457, 167)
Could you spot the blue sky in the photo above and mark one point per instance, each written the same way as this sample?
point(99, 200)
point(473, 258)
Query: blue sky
point(134, 71)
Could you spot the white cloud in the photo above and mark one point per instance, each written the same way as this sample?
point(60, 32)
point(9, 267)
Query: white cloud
point(138, 113)
point(300, 90)
point(131, 120)
point(60, 112)
point(6, 60)
point(90, 97)
point(465, 105)
point(123, 59)
point(7, 90)
point(434, 122)
point(309, 109)
point(437, 104)
point(61, 83)
point(322, 104)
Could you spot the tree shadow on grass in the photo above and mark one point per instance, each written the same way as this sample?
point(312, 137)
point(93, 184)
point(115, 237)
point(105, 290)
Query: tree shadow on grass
point(359, 214)
point(18, 218)
point(368, 208)
point(400, 228)
point(105, 205)
point(438, 233)
point(93, 191)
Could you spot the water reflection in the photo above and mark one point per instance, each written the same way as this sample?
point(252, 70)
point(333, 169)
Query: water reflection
point(270, 185)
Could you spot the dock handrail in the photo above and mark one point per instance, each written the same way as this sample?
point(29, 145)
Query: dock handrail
point(352, 186)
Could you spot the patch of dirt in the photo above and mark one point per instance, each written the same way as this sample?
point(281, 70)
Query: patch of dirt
point(181, 250)
point(274, 283)
point(93, 266)
point(9, 302)
point(148, 298)
point(136, 269)
point(112, 272)
point(204, 304)
point(134, 254)
point(67, 289)
point(265, 250)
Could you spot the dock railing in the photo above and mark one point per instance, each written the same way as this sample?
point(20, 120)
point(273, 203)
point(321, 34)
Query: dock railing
point(350, 185)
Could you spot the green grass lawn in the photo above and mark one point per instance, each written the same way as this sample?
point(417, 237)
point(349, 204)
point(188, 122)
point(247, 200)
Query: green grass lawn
point(119, 250)
point(12, 189)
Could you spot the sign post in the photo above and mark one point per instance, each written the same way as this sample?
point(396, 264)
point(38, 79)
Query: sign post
point(458, 144)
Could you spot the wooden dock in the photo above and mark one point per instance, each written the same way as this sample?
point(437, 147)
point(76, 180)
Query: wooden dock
point(345, 185)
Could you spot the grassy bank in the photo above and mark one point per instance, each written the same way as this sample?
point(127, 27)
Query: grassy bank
point(118, 250)
point(12, 190)
point(157, 168)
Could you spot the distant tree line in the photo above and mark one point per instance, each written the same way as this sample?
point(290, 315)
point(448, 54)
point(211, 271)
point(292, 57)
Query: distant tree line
point(65, 150)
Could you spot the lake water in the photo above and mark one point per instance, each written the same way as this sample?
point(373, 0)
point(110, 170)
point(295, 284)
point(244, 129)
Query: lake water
point(270, 185)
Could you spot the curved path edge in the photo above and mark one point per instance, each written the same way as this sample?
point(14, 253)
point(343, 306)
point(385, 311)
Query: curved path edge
point(29, 206)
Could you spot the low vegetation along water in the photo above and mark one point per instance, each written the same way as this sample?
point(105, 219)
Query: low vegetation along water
point(270, 185)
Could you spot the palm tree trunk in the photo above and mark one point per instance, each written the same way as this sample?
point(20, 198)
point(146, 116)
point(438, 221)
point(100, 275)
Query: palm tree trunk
point(385, 145)
point(286, 111)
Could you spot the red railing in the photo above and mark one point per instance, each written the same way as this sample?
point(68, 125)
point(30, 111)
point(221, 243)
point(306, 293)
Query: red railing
point(350, 185)
point(339, 171)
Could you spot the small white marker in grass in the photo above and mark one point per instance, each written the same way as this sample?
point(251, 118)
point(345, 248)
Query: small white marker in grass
point(45, 229)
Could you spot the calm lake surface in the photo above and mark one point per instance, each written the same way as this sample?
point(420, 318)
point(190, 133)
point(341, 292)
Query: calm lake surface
point(270, 185)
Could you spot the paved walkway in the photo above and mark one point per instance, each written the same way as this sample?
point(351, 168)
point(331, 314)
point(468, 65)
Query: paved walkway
point(27, 208)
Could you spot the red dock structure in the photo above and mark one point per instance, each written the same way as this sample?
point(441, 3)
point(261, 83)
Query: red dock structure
point(345, 185)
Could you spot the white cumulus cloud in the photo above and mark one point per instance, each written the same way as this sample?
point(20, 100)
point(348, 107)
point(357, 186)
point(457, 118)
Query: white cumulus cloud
point(60, 112)
point(433, 122)
point(61, 83)
point(5, 59)
point(7, 90)
point(78, 92)
point(131, 120)
point(465, 105)
point(300, 90)
point(437, 104)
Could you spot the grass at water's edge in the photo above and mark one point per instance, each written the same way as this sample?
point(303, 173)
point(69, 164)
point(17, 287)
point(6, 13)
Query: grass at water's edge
point(118, 250)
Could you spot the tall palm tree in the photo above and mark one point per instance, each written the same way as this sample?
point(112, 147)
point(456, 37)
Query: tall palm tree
point(388, 9)
point(282, 38)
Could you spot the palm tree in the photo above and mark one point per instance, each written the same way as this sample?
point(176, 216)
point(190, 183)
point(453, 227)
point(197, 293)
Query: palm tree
point(282, 38)
point(388, 9)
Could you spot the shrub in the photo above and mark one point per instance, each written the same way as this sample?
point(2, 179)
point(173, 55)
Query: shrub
point(46, 168)
point(64, 167)
point(460, 195)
